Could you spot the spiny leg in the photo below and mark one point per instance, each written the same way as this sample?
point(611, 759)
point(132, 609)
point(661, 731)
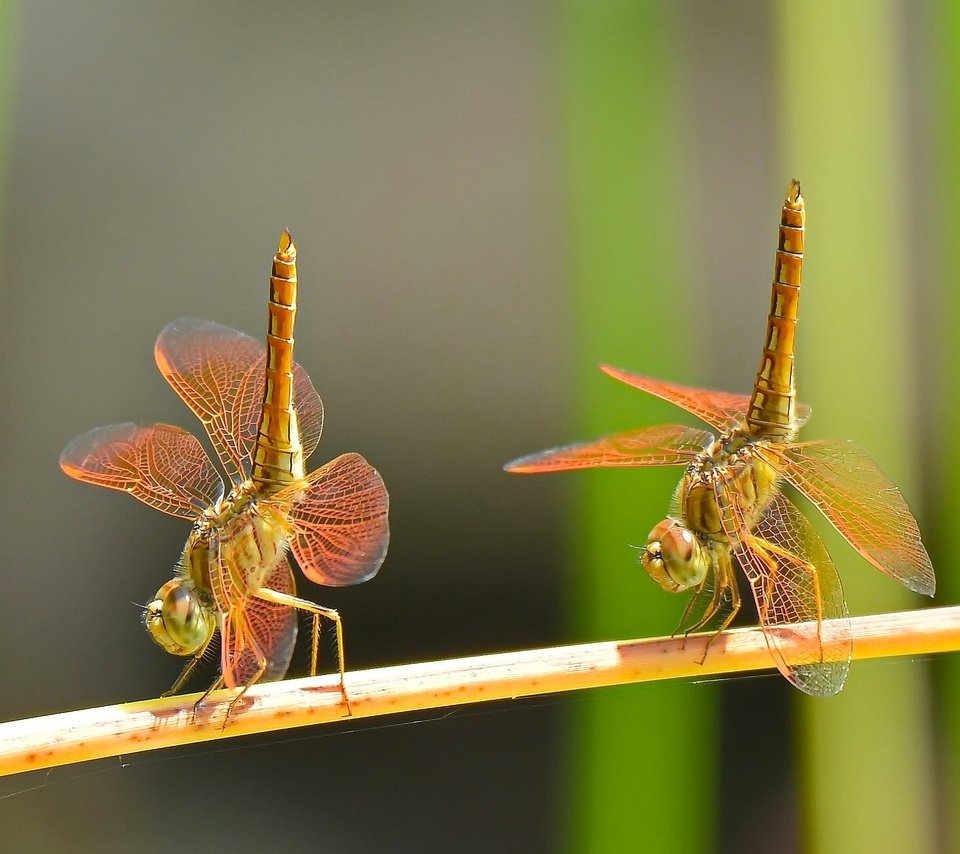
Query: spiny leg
point(248, 644)
point(317, 611)
point(334, 617)
point(183, 677)
point(734, 607)
point(262, 660)
point(721, 575)
point(763, 546)
point(725, 581)
point(216, 686)
point(716, 599)
point(219, 683)
point(188, 669)
point(769, 581)
point(691, 604)
point(763, 549)
point(314, 643)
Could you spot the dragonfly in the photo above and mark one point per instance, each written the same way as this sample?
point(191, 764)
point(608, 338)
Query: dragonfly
point(730, 510)
point(263, 417)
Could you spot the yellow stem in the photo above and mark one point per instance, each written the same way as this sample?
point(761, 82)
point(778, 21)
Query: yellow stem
point(132, 727)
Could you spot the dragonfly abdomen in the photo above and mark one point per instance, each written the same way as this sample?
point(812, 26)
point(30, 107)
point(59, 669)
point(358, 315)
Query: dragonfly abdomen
point(773, 403)
point(278, 454)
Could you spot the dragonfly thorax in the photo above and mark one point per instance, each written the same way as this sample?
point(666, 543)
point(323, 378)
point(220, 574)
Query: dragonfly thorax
point(251, 543)
point(731, 449)
point(233, 546)
point(239, 498)
point(728, 472)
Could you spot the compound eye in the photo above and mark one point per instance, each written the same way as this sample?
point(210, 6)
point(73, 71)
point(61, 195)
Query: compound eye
point(177, 620)
point(683, 557)
point(660, 530)
point(653, 558)
point(678, 543)
point(674, 557)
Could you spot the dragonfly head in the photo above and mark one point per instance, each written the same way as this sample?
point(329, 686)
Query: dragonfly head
point(673, 557)
point(178, 621)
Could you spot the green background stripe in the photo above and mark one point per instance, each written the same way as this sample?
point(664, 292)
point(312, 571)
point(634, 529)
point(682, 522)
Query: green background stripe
point(865, 754)
point(634, 753)
point(943, 36)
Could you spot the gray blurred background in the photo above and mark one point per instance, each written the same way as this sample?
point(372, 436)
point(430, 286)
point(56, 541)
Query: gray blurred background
point(155, 152)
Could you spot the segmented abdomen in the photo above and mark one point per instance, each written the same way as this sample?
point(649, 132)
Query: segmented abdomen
point(278, 454)
point(772, 405)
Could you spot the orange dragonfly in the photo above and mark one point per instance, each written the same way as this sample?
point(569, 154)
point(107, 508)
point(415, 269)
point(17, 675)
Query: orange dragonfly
point(264, 418)
point(729, 509)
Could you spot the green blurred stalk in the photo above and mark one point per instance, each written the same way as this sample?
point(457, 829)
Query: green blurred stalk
point(636, 754)
point(866, 754)
point(944, 38)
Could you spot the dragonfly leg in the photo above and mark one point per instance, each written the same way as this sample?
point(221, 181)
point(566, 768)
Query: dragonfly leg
point(734, 609)
point(183, 677)
point(725, 602)
point(682, 627)
point(723, 584)
point(314, 643)
point(249, 645)
point(262, 659)
point(188, 669)
point(716, 602)
point(764, 548)
point(317, 611)
point(216, 686)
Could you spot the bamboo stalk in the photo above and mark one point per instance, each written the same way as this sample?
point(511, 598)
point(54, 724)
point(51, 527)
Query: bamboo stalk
point(150, 724)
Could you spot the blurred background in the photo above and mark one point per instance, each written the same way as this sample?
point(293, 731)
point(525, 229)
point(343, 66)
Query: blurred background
point(489, 200)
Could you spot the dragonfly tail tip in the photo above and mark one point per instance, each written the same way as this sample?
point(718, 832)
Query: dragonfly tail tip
point(286, 245)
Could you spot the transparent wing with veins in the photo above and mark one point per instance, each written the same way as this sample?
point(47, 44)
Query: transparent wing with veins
point(664, 445)
point(720, 409)
point(793, 580)
point(861, 503)
point(220, 374)
point(259, 634)
point(339, 520)
point(158, 464)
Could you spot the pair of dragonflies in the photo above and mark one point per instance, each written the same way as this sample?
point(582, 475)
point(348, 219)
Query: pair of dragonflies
point(263, 417)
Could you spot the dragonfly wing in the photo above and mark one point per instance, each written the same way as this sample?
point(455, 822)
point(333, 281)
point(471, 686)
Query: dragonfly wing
point(719, 409)
point(220, 374)
point(664, 445)
point(214, 370)
point(161, 465)
point(794, 580)
point(339, 516)
point(258, 632)
point(309, 410)
point(861, 503)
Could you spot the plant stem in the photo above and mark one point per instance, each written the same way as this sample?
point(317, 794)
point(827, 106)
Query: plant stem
point(150, 724)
